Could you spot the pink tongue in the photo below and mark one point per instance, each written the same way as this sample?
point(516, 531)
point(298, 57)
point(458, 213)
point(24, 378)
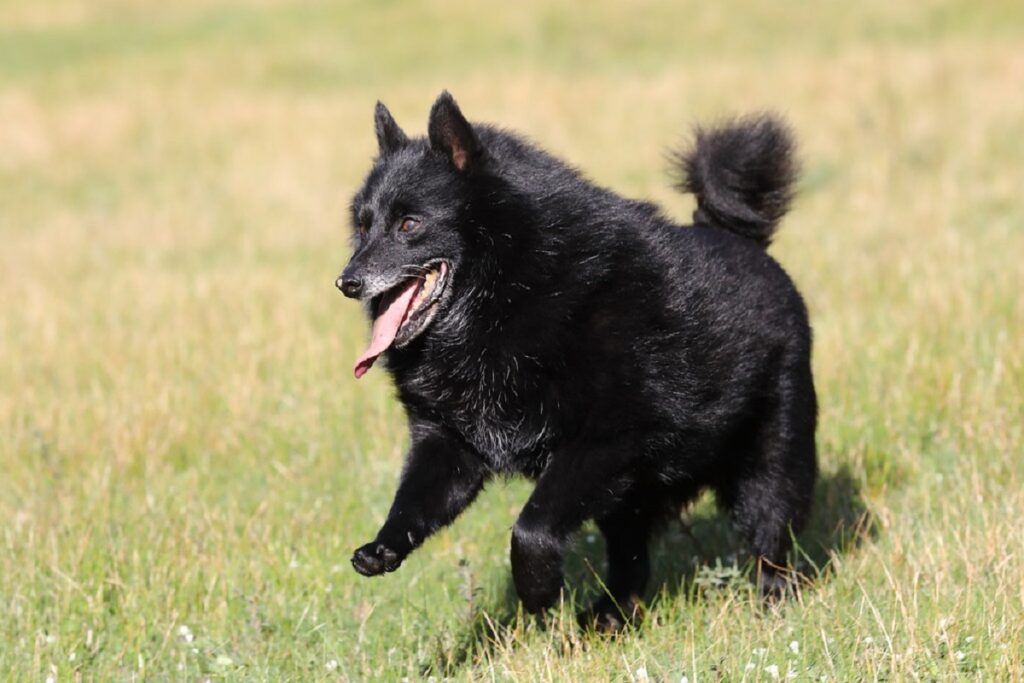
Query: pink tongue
point(390, 314)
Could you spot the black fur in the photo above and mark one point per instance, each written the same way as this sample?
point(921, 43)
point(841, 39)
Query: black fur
point(623, 362)
point(742, 175)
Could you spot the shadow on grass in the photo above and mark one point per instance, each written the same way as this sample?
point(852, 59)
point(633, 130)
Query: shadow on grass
point(480, 636)
point(703, 552)
point(694, 554)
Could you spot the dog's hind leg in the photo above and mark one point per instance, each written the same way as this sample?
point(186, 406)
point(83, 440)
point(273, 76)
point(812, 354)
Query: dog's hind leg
point(627, 532)
point(770, 496)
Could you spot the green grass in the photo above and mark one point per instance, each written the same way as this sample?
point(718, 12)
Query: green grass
point(187, 462)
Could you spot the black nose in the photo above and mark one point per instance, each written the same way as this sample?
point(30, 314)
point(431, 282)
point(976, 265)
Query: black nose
point(350, 286)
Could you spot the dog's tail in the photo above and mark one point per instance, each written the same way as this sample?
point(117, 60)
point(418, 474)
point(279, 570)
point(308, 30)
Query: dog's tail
point(742, 174)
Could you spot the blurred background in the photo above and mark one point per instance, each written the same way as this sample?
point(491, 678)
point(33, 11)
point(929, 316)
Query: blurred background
point(186, 462)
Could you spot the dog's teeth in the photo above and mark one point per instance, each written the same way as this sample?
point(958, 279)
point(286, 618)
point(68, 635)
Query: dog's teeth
point(430, 279)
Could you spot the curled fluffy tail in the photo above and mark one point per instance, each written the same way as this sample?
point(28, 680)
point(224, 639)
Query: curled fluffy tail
point(742, 174)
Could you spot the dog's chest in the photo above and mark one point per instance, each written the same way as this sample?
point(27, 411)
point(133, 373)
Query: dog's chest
point(508, 429)
point(508, 442)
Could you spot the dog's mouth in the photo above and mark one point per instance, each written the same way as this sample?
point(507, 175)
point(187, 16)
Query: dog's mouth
point(405, 311)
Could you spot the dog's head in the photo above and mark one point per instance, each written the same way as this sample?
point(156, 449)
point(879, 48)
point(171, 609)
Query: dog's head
point(407, 220)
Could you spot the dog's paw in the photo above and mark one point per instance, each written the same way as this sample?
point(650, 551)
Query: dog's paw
point(609, 617)
point(775, 585)
point(375, 558)
point(536, 570)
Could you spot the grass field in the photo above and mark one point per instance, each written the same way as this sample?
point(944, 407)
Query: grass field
point(186, 462)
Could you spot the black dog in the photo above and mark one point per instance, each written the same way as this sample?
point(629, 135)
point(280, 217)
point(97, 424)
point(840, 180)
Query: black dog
point(535, 323)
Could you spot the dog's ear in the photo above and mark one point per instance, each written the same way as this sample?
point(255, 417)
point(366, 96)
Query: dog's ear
point(450, 133)
point(390, 137)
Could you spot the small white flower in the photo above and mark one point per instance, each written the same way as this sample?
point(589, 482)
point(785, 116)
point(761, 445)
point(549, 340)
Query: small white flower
point(960, 655)
point(71, 656)
point(50, 639)
point(591, 539)
point(294, 564)
point(223, 660)
point(749, 666)
point(331, 664)
point(772, 671)
point(185, 633)
point(51, 679)
point(969, 639)
point(794, 647)
point(684, 679)
point(760, 651)
point(868, 640)
point(790, 675)
point(641, 674)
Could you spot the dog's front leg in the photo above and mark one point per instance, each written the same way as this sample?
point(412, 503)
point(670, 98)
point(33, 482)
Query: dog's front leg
point(440, 478)
point(575, 486)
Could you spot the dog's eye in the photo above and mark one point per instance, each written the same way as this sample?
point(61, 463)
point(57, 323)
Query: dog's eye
point(408, 224)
